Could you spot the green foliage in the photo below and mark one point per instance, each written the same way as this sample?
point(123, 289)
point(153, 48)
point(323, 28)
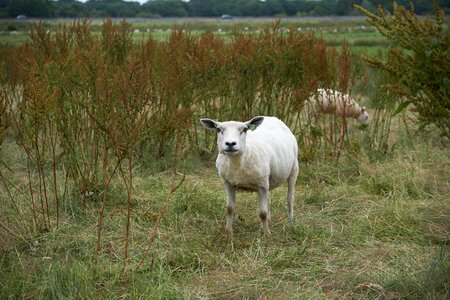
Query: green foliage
point(418, 68)
point(30, 8)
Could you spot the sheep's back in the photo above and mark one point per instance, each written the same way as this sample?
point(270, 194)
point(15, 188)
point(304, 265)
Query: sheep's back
point(330, 101)
point(279, 146)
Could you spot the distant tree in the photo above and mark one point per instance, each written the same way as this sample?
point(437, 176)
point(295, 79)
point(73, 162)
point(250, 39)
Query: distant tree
point(304, 7)
point(97, 7)
point(113, 8)
point(203, 8)
point(31, 8)
point(166, 8)
point(288, 8)
point(345, 7)
point(249, 8)
point(70, 9)
point(123, 9)
point(272, 8)
point(231, 7)
point(4, 5)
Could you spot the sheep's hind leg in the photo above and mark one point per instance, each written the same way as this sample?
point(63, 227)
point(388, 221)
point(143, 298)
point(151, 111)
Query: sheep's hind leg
point(263, 194)
point(291, 189)
point(231, 195)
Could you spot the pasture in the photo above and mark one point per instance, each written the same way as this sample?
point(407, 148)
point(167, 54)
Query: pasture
point(108, 186)
point(363, 37)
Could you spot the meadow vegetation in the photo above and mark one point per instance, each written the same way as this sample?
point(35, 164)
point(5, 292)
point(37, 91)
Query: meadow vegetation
point(356, 31)
point(361, 230)
point(108, 188)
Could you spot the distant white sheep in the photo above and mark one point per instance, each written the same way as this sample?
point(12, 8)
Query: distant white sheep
point(257, 155)
point(330, 101)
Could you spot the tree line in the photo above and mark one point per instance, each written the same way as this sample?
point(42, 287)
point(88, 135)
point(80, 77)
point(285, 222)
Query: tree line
point(201, 8)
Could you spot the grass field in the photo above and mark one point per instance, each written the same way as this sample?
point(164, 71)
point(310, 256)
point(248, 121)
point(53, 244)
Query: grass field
point(365, 38)
point(366, 226)
point(362, 230)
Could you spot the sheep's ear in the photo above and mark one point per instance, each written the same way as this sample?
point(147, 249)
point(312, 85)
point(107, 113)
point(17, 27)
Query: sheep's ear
point(209, 124)
point(255, 122)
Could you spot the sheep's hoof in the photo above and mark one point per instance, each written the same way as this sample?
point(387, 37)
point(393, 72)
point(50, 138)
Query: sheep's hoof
point(290, 223)
point(229, 231)
point(266, 230)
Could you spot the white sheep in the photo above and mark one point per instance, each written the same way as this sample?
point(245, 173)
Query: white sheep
point(257, 155)
point(330, 101)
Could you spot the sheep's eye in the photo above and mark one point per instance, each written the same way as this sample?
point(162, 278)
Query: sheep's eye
point(244, 130)
point(219, 130)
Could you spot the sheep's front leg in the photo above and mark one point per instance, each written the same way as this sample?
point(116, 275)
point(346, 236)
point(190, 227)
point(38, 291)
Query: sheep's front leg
point(231, 195)
point(263, 194)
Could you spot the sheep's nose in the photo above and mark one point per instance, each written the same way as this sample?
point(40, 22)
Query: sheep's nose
point(230, 144)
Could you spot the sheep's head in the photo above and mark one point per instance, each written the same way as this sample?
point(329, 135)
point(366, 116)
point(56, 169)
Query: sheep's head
point(363, 116)
point(231, 135)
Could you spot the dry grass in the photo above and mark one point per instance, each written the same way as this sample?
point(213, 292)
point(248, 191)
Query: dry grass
point(372, 219)
point(367, 230)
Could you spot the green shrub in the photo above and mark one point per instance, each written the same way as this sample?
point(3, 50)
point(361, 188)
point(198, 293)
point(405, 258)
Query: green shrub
point(418, 66)
point(12, 27)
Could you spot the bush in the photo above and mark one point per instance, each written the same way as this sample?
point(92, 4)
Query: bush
point(87, 108)
point(418, 65)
